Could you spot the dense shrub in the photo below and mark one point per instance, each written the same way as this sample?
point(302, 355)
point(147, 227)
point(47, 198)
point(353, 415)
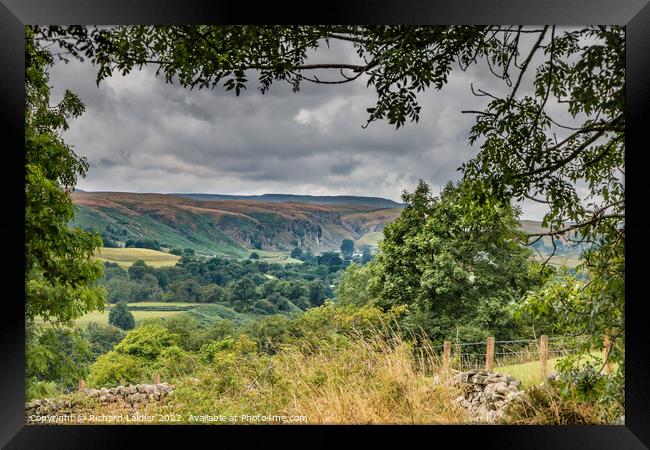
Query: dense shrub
point(141, 352)
point(103, 338)
point(143, 243)
point(121, 317)
point(174, 362)
point(56, 358)
point(545, 405)
point(147, 341)
point(113, 367)
point(266, 306)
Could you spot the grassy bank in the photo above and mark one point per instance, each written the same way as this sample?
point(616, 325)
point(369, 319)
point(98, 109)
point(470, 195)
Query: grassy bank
point(356, 381)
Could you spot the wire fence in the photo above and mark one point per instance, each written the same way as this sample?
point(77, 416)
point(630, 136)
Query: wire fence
point(465, 356)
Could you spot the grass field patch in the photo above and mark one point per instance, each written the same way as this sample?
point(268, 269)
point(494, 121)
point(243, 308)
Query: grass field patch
point(102, 316)
point(125, 257)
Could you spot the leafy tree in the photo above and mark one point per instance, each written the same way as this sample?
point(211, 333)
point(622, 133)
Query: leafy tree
point(138, 269)
point(318, 292)
point(296, 253)
point(147, 341)
point(57, 355)
point(331, 260)
point(175, 362)
point(187, 328)
point(347, 248)
point(266, 306)
point(187, 290)
point(269, 332)
point(102, 338)
point(294, 290)
point(112, 270)
point(119, 289)
point(108, 242)
point(113, 367)
point(254, 255)
point(121, 317)
point(454, 260)
point(366, 256)
point(60, 273)
point(212, 293)
point(282, 303)
point(243, 294)
point(355, 286)
point(308, 257)
point(219, 330)
point(143, 243)
point(142, 351)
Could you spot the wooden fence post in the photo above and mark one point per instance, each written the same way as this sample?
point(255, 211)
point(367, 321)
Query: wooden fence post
point(156, 379)
point(82, 384)
point(543, 355)
point(446, 356)
point(489, 354)
point(606, 349)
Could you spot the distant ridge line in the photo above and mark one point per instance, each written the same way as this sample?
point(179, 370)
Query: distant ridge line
point(318, 199)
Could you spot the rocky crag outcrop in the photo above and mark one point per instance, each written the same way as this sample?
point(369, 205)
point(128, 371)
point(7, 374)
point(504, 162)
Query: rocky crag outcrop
point(133, 396)
point(486, 394)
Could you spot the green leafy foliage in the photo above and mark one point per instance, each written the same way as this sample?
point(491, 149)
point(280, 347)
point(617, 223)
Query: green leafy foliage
point(121, 317)
point(347, 248)
point(454, 259)
point(102, 338)
point(113, 368)
point(59, 271)
point(145, 349)
point(354, 288)
point(147, 341)
point(56, 358)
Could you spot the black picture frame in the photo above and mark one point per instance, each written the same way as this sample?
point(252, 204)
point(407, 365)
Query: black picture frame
point(14, 14)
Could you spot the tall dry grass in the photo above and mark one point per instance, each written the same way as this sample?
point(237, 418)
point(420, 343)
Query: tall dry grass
point(362, 380)
point(358, 378)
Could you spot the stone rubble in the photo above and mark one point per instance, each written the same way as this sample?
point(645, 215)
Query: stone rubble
point(486, 394)
point(132, 396)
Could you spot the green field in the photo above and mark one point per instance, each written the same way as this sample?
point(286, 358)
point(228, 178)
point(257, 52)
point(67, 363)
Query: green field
point(276, 257)
point(205, 313)
point(158, 304)
point(102, 316)
point(125, 257)
point(529, 374)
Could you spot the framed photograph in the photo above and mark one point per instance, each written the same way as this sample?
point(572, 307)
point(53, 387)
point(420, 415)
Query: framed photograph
point(411, 216)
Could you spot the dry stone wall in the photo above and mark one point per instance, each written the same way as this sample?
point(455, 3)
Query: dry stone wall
point(486, 394)
point(132, 396)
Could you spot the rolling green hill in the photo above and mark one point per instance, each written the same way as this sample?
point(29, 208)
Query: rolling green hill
point(201, 237)
point(234, 227)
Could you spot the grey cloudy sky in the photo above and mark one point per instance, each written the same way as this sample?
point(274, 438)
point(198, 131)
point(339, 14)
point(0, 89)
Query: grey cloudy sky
point(143, 135)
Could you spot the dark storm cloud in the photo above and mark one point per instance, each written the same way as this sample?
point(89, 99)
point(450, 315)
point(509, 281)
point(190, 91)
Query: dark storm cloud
point(141, 134)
